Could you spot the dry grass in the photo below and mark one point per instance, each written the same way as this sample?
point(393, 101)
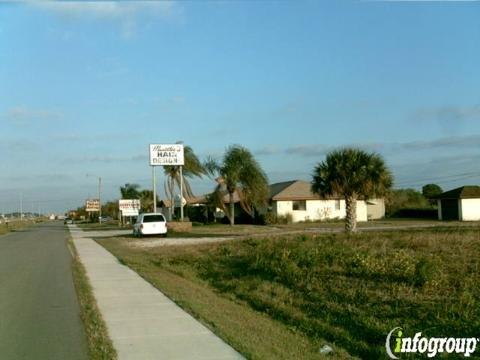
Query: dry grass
point(16, 225)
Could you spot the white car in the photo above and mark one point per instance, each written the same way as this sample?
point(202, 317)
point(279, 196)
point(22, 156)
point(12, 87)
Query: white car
point(150, 224)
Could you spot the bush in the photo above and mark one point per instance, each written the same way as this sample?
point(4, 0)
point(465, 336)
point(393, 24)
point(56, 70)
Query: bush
point(405, 199)
point(415, 213)
point(272, 219)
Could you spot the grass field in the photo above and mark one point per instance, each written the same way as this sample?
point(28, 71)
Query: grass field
point(16, 225)
point(109, 225)
point(285, 297)
point(242, 230)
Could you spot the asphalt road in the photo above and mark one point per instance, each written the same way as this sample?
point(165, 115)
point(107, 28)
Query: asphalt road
point(39, 312)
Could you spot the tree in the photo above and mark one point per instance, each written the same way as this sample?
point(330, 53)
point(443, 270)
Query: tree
point(110, 208)
point(192, 168)
point(130, 191)
point(146, 200)
point(399, 200)
point(353, 174)
point(430, 191)
point(238, 172)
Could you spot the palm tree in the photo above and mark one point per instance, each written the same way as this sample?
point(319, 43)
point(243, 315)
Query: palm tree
point(192, 167)
point(352, 173)
point(130, 191)
point(146, 200)
point(238, 172)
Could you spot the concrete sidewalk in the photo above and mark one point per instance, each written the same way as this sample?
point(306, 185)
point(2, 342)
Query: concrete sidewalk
point(142, 322)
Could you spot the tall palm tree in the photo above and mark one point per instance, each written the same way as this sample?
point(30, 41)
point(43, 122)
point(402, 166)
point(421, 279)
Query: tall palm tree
point(352, 173)
point(192, 168)
point(238, 172)
point(130, 191)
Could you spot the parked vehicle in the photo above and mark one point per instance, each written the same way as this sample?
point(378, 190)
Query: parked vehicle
point(68, 221)
point(150, 224)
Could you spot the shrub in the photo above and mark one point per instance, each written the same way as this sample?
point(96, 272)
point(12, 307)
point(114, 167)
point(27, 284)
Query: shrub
point(405, 199)
point(272, 219)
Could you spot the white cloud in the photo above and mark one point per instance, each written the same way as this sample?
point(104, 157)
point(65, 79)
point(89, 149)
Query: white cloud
point(105, 9)
point(106, 159)
point(268, 150)
point(23, 116)
point(450, 119)
point(125, 13)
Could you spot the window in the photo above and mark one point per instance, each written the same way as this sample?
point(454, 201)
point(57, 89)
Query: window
point(300, 205)
point(337, 204)
point(153, 218)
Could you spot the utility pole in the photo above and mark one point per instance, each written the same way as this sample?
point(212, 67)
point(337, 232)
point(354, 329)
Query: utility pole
point(99, 196)
point(99, 200)
point(181, 193)
point(21, 206)
point(181, 186)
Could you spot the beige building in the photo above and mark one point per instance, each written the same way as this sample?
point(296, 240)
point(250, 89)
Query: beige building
point(296, 198)
point(375, 209)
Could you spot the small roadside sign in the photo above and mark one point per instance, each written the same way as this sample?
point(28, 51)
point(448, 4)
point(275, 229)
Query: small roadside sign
point(129, 207)
point(92, 205)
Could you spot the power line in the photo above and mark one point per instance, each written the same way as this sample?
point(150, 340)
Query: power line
point(447, 178)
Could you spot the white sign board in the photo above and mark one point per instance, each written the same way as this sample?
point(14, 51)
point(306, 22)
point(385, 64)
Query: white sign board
point(166, 154)
point(92, 205)
point(129, 207)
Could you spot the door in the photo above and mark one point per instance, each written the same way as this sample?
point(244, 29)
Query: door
point(450, 209)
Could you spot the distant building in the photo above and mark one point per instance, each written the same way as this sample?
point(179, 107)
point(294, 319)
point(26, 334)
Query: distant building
point(462, 204)
point(296, 198)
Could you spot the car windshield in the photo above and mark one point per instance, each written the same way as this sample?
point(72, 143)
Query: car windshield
point(153, 218)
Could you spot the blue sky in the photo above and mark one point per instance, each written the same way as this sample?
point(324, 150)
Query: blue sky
point(86, 86)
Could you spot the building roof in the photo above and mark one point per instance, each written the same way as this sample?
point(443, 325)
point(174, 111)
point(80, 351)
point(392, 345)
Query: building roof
point(295, 190)
point(464, 192)
point(203, 199)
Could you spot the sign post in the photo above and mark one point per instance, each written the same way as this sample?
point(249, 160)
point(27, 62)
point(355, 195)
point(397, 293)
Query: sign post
point(154, 190)
point(166, 155)
point(181, 193)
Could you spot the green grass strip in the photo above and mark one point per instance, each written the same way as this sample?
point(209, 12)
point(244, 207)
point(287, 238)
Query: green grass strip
point(99, 344)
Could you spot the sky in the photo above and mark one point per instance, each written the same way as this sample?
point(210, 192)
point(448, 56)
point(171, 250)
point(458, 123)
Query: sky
point(85, 87)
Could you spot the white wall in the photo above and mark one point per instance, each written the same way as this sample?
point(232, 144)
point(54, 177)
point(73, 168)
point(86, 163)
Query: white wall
point(470, 209)
point(318, 210)
point(376, 209)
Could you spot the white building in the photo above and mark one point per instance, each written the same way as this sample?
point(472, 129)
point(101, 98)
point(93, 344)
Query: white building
point(462, 204)
point(296, 198)
point(376, 208)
